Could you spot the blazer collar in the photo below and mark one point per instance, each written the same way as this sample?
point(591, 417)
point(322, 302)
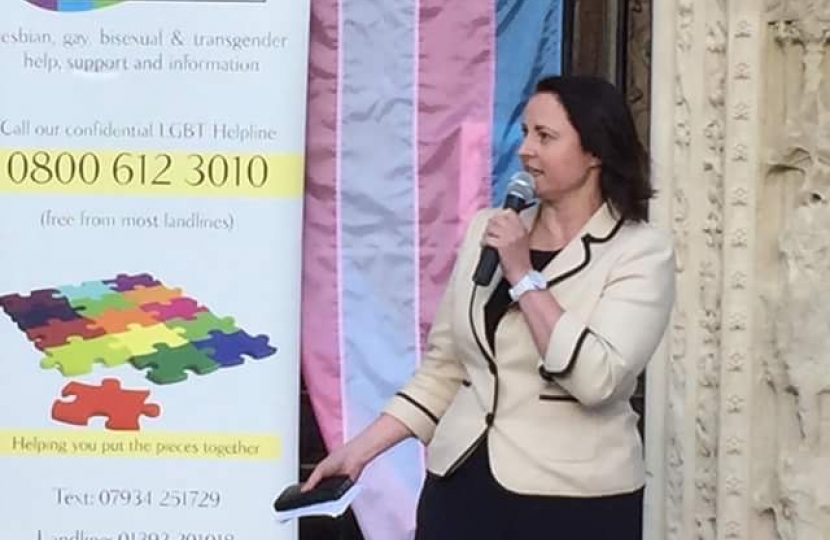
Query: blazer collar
point(576, 255)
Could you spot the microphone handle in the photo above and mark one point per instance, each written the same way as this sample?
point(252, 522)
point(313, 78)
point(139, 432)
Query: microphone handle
point(489, 256)
point(486, 266)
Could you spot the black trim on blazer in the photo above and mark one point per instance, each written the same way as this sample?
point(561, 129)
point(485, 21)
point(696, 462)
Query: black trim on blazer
point(467, 453)
point(587, 240)
point(548, 397)
point(419, 406)
point(471, 319)
point(549, 375)
point(490, 416)
point(490, 363)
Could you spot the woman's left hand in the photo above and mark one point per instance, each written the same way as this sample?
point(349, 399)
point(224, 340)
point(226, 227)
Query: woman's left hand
point(507, 234)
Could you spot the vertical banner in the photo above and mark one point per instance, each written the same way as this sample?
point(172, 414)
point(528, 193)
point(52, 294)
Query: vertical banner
point(151, 173)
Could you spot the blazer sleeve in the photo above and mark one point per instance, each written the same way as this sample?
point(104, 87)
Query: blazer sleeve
point(422, 401)
point(597, 360)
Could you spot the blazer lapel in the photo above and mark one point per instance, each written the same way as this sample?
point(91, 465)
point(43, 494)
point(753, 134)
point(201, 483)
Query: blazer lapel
point(480, 296)
point(576, 255)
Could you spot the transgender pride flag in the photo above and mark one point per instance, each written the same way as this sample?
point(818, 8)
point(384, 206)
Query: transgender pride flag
point(414, 119)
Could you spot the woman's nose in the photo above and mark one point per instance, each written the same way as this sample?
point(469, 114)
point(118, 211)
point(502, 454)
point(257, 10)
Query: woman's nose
point(525, 149)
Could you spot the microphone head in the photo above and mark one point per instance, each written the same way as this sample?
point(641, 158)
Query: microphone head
point(522, 186)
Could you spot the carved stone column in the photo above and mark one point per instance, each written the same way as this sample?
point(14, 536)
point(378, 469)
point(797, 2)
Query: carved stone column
point(738, 400)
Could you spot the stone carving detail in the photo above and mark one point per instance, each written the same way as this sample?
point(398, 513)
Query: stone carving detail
point(735, 361)
point(734, 485)
point(735, 403)
point(710, 273)
point(733, 529)
point(743, 71)
point(740, 152)
point(677, 450)
point(740, 196)
point(740, 238)
point(734, 445)
point(743, 29)
point(742, 111)
point(674, 429)
point(788, 10)
point(747, 418)
point(793, 490)
point(738, 280)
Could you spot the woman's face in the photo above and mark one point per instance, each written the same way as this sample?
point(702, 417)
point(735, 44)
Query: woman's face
point(552, 153)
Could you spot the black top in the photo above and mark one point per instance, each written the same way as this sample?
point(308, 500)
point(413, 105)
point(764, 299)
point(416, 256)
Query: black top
point(500, 300)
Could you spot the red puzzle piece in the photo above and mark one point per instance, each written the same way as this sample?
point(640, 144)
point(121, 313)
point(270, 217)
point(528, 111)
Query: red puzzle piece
point(57, 332)
point(121, 407)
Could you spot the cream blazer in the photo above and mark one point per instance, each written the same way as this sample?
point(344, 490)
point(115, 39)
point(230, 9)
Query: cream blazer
point(558, 423)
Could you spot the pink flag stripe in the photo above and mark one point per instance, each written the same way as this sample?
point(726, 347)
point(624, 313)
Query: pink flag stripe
point(455, 90)
point(321, 350)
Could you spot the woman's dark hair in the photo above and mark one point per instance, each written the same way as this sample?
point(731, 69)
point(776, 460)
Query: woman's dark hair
point(601, 117)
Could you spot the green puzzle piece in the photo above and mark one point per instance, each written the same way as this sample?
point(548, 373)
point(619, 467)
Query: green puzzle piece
point(142, 340)
point(170, 365)
point(202, 324)
point(95, 306)
point(78, 355)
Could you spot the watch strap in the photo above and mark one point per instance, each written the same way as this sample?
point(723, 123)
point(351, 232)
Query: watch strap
point(532, 281)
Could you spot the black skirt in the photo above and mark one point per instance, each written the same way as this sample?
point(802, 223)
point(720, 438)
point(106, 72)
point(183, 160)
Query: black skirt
point(471, 505)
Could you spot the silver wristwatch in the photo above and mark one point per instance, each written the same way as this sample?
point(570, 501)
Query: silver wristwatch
point(532, 281)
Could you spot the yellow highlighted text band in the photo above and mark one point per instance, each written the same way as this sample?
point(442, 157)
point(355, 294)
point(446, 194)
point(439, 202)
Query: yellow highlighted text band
point(137, 444)
point(197, 173)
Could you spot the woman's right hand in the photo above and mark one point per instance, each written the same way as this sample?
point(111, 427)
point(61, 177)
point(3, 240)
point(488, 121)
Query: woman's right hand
point(353, 456)
point(346, 460)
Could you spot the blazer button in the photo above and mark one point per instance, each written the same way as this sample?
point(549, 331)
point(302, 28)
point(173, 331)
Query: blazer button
point(489, 419)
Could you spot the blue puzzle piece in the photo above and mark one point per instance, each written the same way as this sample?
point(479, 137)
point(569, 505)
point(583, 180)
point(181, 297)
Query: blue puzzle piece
point(87, 289)
point(228, 349)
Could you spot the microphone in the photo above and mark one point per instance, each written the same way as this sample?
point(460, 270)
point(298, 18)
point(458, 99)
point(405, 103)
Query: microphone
point(520, 192)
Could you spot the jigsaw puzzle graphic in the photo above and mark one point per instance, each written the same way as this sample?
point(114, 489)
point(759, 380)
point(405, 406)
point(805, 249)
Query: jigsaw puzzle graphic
point(129, 320)
point(73, 5)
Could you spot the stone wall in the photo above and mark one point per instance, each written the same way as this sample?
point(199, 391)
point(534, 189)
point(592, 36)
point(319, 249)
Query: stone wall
point(738, 408)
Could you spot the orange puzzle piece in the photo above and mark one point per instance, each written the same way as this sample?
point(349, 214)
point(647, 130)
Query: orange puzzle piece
point(149, 295)
point(122, 407)
point(114, 321)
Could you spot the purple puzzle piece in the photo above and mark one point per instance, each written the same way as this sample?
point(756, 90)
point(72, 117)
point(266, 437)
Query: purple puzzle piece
point(177, 308)
point(45, 4)
point(16, 303)
point(228, 349)
point(40, 315)
point(126, 282)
